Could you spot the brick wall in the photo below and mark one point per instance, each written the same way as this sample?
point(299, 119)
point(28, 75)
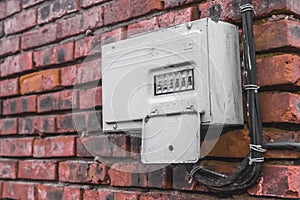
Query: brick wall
point(42, 46)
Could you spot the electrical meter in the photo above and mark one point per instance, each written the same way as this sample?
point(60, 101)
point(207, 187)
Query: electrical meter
point(166, 83)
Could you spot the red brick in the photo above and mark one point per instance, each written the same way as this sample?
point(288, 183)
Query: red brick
point(121, 10)
point(64, 100)
point(229, 10)
point(54, 147)
point(86, 72)
point(55, 55)
point(113, 36)
point(87, 3)
point(8, 126)
point(22, 191)
point(17, 64)
point(68, 75)
point(160, 178)
point(90, 98)
point(97, 194)
point(13, 6)
point(89, 71)
point(87, 46)
point(72, 193)
point(29, 3)
point(38, 37)
point(126, 196)
point(178, 17)
point(89, 19)
point(26, 104)
point(179, 180)
point(37, 125)
point(9, 87)
point(280, 107)
point(128, 174)
point(16, 147)
point(83, 172)
point(8, 169)
point(37, 170)
point(2, 9)
point(1, 29)
point(12, 45)
point(278, 181)
point(278, 70)
point(49, 192)
point(58, 8)
point(143, 26)
point(65, 123)
point(150, 196)
point(18, 24)
point(40, 81)
point(283, 33)
point(94, 146)
point(175, 3)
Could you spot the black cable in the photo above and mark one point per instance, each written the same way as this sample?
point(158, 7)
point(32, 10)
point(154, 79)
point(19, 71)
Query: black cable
point(249, 171)
point(282, 146)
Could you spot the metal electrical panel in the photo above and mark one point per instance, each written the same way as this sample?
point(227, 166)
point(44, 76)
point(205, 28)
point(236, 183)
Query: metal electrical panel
point(166, 83)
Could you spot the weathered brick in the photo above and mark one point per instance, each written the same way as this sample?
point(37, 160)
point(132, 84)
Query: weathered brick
point(54, 147)
point(8, 126)
point(9, 87)
point(16, 147)
point(12, 45)
point(278, 181)
point(55, 55)
point(278, 34)
point(98, 194)
point(278, 70)
point(175, 3)
point(94, 146)
point(38, 37)
point(229, 10)
point(121, 10)
point(128, 174)
point(160, 178)
point(65, 123)
point(143, 26)
point(150, 196)
point(126, 195)
point(18, 24)
point(87, 3)
point(29, 3)
point(13, 6)
point(1, 28)
point(72, 193)
point(113, 36)
point(87, 46)
point(37, 170)
point(90, 98)
point(49, 192)
point(280, 107)
point(17, 64)
point(20, 191)
point(2, 9)
point(68, 75)
point(178, 17)
point(63, 100)
point(8, 169)
point(179, 179)
point(56, 9)
point(37, 125)
point(88, 71)
point(26, 104)
point(89, 19)
point(83, 172)
point(40, 81)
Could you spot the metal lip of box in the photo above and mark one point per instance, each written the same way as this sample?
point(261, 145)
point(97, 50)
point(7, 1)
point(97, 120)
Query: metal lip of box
point(173, 80)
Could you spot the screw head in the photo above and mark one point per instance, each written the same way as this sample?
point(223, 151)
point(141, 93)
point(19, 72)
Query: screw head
point(115, 126)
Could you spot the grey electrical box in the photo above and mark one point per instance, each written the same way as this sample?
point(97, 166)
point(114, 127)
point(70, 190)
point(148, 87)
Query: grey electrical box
point(166, 83)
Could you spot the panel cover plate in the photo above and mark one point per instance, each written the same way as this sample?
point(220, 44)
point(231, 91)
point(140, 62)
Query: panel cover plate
point(171, 138)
